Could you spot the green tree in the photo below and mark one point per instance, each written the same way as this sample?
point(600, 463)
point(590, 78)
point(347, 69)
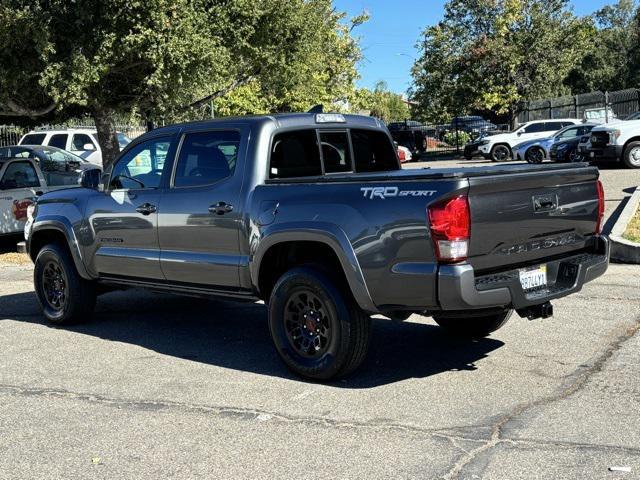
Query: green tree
point(490, 55)
point(611, 62)
point(171, 58)
point(380, 103)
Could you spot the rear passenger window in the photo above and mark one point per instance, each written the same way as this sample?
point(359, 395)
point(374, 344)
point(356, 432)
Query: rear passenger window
point(373, 151)
point(58, 140)
point(553, 126)
point(336, 153)
point(33, 139)
point(206, 158)
point(295, 154)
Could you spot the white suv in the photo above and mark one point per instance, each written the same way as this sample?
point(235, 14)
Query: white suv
point(81, 141)
point(499, 147)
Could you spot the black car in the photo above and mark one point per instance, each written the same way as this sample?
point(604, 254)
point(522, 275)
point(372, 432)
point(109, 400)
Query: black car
point(473, 125)
point(567, 150)
point(412, 135)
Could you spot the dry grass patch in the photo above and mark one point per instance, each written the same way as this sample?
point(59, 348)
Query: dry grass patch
point(633, 229)
point(14, 258)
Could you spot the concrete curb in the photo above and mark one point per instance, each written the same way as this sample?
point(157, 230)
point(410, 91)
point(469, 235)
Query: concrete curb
point(623, 250)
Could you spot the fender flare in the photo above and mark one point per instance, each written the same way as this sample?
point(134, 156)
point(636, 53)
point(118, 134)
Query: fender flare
point(329, 234)
point(62, 225)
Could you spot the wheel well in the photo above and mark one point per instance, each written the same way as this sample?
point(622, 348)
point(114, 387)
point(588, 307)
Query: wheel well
point(502, 144)
point(45, 237)
point(286, 255)
point(634, 139)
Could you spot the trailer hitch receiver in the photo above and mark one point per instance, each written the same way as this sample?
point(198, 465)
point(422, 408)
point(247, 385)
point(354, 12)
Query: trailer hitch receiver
point(544, 310)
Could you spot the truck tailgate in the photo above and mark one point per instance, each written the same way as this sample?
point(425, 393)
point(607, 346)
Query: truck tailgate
point(520, 218)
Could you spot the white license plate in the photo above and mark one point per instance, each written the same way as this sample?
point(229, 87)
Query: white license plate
point(533, 277)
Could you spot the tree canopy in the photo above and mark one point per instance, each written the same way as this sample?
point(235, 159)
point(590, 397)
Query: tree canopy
point(169, 58)
point(490, 55)
point(380, 103)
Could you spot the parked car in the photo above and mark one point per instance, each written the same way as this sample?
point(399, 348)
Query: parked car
point(499, 148)
point(473, 125)
point(617, 142)
point(599, 115)
point(411, 135)
point(536, 151)
point(27, 172)
point(249, 209)
point(567, 150)
point(80, 141)
point(404, 154)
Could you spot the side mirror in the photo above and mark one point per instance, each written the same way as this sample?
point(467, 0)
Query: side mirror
point(89, 147)
point(90, 178)
point(520, 133)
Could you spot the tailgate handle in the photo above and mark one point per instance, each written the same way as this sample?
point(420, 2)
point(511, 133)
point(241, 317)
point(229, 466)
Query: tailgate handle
point(544, 203)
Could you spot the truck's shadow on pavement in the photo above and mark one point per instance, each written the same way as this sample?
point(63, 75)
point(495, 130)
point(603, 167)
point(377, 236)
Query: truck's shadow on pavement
point(236, 336)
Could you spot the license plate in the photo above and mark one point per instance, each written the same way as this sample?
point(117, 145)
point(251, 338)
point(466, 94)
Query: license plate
point(533, 277)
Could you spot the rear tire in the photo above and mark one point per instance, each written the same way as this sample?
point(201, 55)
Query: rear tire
point(473, 327)
point(65, 297)
point(631, 155)
point(318, 330)
point(501, 153)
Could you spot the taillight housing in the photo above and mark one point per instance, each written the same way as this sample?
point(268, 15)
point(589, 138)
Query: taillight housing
point(401, 156)
point(450, 224)
point(600, 206)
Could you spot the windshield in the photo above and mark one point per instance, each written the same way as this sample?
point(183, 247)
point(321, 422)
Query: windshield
point(53, 153)
point(123, 140)
point(633, 116)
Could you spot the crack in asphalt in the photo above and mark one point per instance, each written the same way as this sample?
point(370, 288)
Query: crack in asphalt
point(579, 380)
point(222, 411)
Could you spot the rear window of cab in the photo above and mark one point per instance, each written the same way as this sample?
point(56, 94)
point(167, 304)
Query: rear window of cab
point(315, 152)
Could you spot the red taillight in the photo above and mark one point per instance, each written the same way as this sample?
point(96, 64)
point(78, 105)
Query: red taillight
point(600, 206)
point(450, 223)
point(401, 155)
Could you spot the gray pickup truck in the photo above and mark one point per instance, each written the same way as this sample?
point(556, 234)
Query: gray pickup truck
point(313, 214)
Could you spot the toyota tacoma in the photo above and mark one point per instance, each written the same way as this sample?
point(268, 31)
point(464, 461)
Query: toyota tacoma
point(312, 214)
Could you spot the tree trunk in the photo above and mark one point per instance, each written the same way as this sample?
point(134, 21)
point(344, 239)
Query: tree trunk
point(107, 137)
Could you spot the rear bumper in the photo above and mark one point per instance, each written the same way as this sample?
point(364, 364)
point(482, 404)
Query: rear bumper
point(610, 153)
point(460, 289)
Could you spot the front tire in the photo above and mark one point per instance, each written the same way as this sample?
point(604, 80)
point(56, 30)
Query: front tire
point(631, 156)
point(65, 297)
point(534, 155)
point(473, 327)
point(500, 153)
point(319, 332)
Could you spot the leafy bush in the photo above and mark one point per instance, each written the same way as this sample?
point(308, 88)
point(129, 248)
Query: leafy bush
point(463, 138)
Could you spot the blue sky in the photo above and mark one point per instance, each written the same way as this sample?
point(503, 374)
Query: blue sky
point(389, 38)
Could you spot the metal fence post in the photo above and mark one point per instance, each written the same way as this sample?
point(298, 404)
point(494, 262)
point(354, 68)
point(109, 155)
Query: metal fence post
point(606, 106)
point(575, 106)
point(457, 139)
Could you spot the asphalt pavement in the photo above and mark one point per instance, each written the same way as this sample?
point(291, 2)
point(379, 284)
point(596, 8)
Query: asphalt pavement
point(168, 387)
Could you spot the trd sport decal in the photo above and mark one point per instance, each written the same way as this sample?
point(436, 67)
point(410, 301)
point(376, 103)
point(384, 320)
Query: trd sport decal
point(391, 192)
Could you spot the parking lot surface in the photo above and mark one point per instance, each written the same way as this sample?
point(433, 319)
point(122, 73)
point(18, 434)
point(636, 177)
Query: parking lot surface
point(167, 387)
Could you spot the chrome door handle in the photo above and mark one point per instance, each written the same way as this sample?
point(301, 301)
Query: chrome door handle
point(146, 209)
point(221, 208)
